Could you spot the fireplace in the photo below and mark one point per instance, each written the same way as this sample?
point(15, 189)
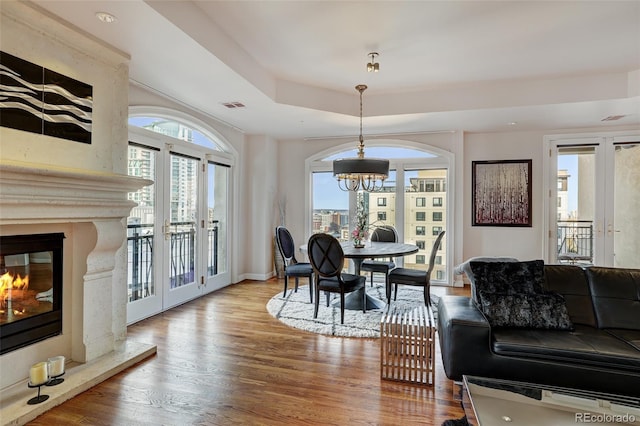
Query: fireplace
point(30, 289)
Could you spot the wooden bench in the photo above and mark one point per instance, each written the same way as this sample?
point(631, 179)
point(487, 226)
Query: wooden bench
point(407, 346)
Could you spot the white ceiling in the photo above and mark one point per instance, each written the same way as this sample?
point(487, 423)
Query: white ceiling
point(444, 65)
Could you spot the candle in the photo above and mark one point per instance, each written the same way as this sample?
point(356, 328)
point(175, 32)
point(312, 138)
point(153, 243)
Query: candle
point(39, 373)
point(56, 366)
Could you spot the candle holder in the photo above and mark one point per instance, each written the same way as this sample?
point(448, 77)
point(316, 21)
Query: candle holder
point(37, 399)
point(55, 380)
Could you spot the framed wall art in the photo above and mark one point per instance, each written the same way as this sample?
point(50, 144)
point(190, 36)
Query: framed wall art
point(501, 192)
point(37, 100)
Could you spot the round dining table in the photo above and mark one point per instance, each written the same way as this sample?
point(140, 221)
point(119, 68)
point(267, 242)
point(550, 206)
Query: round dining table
point(371, 250)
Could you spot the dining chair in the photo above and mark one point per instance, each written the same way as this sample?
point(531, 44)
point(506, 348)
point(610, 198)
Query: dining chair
point(327, 259)
point(415, 277)
point(292, 268)
point(387, 234)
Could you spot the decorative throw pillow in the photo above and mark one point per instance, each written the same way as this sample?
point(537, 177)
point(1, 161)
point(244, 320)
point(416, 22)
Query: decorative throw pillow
point(528, 310)
point(508, 277)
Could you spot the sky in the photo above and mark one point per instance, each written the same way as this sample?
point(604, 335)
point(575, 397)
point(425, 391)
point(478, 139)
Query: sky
point(570, 163)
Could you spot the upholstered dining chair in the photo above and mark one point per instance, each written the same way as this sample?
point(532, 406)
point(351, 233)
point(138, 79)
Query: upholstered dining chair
point(292, 268)
point(327, 259)
point(415, 277)
point(387, 234)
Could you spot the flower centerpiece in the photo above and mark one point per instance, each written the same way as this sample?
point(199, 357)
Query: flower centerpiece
point(361, 230)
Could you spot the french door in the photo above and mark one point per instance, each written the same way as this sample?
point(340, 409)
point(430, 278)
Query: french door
point(177, 236)
point(594, 189)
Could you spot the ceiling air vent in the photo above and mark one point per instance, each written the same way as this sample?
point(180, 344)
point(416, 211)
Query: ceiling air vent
point(613, 118)
point(234, 104)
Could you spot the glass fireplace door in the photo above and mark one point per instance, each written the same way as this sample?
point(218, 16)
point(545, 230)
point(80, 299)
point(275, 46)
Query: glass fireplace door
point(30, 289)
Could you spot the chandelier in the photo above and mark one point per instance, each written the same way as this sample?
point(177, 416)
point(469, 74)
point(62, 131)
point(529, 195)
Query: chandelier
point(367, 174)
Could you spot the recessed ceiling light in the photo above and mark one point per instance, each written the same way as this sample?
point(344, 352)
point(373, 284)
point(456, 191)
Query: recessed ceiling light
point(512, 123)
point(106, 17)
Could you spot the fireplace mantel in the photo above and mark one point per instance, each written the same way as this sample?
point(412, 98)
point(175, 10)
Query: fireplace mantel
point(92, 208)
point(39, 194)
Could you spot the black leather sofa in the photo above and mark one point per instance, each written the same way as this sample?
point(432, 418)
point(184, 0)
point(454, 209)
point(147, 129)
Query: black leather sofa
point(601, 353)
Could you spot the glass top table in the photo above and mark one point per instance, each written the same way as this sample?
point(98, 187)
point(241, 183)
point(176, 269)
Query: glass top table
point(504, 402)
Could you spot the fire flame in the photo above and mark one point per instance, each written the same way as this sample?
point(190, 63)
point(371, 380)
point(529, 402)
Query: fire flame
point(8, 283)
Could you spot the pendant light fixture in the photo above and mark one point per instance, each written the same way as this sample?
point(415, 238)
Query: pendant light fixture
point(373, 66)
point(367, 174)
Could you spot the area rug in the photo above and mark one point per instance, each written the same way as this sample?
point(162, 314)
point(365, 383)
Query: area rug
point(296, 311)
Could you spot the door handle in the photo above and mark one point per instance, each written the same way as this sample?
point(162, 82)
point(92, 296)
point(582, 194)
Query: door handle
point(611, 230)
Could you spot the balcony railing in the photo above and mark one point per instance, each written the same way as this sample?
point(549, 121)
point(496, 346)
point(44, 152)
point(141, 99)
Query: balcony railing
point(140, 240)
point(182, 253)
point(575, 241)
point(140, 261)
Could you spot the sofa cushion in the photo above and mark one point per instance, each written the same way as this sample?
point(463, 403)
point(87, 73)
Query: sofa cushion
point(529, 310)
point(465, 268)
point(508, 277)
point(631, 337)
point(571, 282)
point(616, 296)
point(585, 344)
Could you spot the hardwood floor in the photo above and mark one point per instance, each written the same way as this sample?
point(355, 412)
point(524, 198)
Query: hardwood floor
point(223, 360)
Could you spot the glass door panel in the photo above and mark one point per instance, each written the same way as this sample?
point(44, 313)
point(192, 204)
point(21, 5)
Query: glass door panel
point(576, 204)
point(144, 299)
point(425, 215)
point(181, 228)
point(217, 223)
point(624, 230)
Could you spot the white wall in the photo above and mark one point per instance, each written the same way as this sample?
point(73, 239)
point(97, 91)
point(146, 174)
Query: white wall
point(520, 242)
point(62, 50)
point(260, 207)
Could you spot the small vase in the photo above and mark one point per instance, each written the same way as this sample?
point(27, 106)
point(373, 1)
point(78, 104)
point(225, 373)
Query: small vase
point(358, 244)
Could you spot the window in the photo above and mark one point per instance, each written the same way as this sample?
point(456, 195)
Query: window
point(382, 215)
point(421, 216)
point(404, 192)
point(435, 230)
point(437, 201)
point(420, 244)
point(330, 207)
point(437, 216)
point(559, 201)
point(440, 275)
point(438, 260)
point(176, 130)
point(420, 259)
point(431, 185)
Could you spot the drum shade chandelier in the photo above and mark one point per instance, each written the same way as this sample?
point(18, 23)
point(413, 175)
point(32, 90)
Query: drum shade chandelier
point(367, 174)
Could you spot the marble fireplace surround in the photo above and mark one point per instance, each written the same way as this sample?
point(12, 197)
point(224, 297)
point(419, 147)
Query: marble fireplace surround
point(91, 209)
